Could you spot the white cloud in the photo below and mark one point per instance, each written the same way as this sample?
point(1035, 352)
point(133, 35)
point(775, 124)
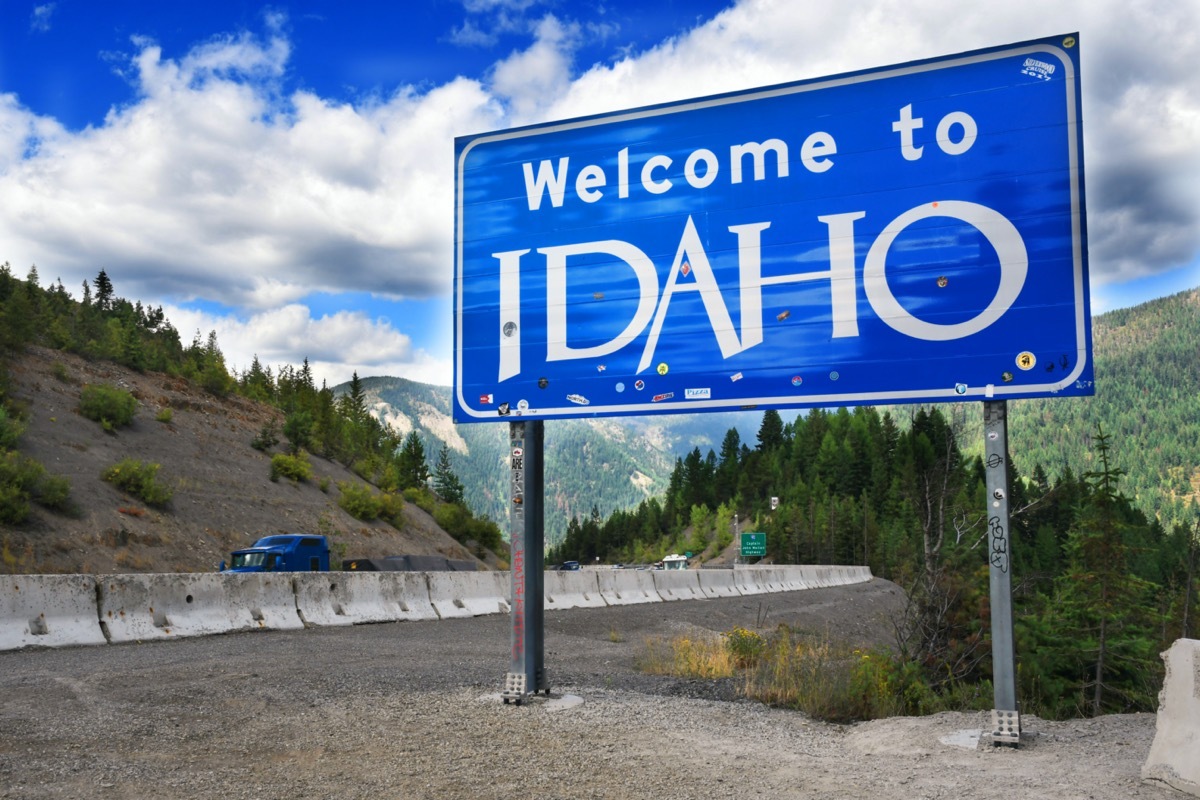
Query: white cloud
point(39, 20)
point(215, 183)
point(531, 80)
point(211, 186)
point(336, 346)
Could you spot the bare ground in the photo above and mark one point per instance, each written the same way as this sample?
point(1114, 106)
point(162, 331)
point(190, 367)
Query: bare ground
point(223, 496)
point(412, 710)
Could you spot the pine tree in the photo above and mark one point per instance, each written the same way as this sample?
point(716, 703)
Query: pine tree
point(412, 470)
point(1103, 607)
point(445, 482)
point(104, 292)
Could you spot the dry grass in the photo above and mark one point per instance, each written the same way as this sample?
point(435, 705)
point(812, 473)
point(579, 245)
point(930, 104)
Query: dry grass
point(687, 657)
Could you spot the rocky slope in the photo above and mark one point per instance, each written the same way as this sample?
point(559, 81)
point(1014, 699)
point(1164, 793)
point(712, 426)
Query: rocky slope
point(223, 496)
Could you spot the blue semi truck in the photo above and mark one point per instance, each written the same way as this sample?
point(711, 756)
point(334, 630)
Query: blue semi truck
point(290, 552)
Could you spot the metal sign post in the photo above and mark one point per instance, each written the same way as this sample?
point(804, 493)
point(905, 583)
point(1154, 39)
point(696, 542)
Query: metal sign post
point(1006, 721)
point(527, 674)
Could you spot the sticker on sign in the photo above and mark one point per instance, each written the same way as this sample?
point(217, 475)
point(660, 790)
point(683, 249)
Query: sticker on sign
point(887, 234)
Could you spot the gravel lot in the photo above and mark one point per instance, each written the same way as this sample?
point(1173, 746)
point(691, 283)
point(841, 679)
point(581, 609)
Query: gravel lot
point(412, 710)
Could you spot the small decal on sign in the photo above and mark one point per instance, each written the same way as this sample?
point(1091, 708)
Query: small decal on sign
point(639, 385)
point(697, 394)
point(658, 398)
point(782, 315)
point(578, 399)
point(1026, 360)
point(737, 376)
point(662, 368)
point(486, 399)
point(797, 380)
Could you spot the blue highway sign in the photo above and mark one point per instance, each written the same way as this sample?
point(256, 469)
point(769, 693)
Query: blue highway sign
point(913, 233)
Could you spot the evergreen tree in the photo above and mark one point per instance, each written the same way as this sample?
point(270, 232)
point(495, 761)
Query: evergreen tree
point(1102, 608)
point(104, 292)
point(770, 433)
point(445, 482)
point(412, 471)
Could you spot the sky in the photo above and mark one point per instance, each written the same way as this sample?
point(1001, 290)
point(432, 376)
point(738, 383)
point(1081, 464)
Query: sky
point(282, 174)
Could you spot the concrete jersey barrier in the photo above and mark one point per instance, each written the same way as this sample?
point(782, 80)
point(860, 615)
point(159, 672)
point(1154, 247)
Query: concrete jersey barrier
point(358, 598)
point(468, 594)
point(1173, 754)
point(163, 606)
point(718, 583)
point(620, 587)
point(578, 589)
point(678, 584)
point(65, 610)
point(48, 611)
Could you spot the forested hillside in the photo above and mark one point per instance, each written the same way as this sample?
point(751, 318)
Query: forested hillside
point(1147, 398)
point(601, 464)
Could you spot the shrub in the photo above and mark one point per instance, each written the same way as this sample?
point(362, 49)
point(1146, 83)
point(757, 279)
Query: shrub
point(108, 405)
point(14, 504)
point(11, 429)
point(53, 492)
point(164, 415)
point(391, 508)
point(268, 437)
point(452, 519)
point(422, 498)
point(358, 500)
point(138, 479)
point(22, 479)
point(745, 646)
point(295, 468)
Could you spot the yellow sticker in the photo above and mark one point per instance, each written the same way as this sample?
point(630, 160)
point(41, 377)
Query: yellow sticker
point(1069, 41)
point(662, 368)
point(1026, 360)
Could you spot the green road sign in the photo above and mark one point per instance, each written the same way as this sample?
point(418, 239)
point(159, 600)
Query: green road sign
point(754, 544)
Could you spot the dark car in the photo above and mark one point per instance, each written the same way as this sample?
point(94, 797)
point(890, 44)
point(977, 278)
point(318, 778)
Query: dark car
point(569, 566)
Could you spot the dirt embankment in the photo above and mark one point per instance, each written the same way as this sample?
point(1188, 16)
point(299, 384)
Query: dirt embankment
point(223, 495)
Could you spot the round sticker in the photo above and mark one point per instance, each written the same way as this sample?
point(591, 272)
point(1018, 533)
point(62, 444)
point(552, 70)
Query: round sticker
point(509, 329)
point(797, 380)
point(620, 387)
point(639, 385)
point(943, 281)
point(662, 368)
point(833, 376)
point(960, 388)
point(523, 405)
point(1026, 360)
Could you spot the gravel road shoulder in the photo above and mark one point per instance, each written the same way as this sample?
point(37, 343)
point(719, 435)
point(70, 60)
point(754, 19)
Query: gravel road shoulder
point(411, 710)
